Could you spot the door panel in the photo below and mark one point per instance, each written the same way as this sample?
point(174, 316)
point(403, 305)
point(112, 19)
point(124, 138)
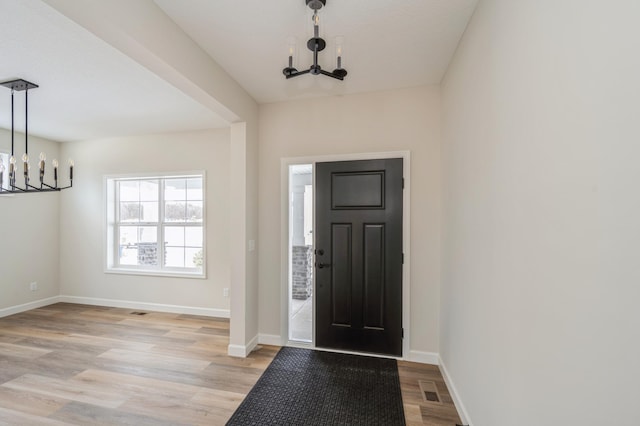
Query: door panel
point(374, 279)
point(359, 255)
point(357, 190)
point(341, 274)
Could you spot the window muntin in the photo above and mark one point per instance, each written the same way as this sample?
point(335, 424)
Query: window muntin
point(158, 223)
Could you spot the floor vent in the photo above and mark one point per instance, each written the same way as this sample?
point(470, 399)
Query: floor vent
point(138, 313)
point(429, 392)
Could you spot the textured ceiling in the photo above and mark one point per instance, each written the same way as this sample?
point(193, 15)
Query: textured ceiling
point(387, 43)
point(89, 89)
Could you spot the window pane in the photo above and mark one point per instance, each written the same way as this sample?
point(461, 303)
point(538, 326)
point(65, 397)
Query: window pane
point(174, 211)
point(128, 255)
point(149, 190)
point(194, 211)
point(175, 257)
point(128, 235)
point(129, 212)
point(175, 189)
point(129, 190)
point(193, 236)
point(147, 245)
point(138, 245)
point(149, 212)
point(193, 257)
point(128, 248)
point(174, 236)
point(194, 189)
point(147, 234)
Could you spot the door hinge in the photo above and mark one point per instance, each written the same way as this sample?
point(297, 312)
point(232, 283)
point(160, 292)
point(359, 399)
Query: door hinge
point(403, 258)
point(402, 183)
point(403, 333)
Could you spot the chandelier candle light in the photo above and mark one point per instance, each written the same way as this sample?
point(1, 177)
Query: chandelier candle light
point(316, 44)
point(12, 188)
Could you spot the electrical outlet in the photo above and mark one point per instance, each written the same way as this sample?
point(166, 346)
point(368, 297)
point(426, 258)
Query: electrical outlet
point(225, 292)
point(33, 286)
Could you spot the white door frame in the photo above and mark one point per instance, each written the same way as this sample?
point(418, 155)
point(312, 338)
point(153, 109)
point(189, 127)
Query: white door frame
point(284, 238)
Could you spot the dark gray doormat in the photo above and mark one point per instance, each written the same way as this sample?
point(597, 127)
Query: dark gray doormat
point(305, 387)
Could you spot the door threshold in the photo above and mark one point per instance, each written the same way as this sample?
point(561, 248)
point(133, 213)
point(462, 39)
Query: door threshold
point(299, 344)
point(310, 345)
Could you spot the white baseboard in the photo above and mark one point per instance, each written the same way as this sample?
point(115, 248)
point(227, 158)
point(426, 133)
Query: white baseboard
point(423, 357)
point(252, 344)
point(462, 411)
point(241, 351)
point(270, 339)
point(12, 310)
point(237, 351)
point(158, 307)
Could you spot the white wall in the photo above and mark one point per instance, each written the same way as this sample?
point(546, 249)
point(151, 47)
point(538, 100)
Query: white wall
point(541, 169)
point(81, 222)
point(407, 119)
point(29, 229)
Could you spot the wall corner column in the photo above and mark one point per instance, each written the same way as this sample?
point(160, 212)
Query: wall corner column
point(243, 335)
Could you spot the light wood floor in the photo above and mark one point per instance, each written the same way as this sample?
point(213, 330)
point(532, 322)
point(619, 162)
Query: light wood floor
point(88, 365)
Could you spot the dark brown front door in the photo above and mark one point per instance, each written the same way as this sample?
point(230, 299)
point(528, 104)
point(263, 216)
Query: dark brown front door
point(359, 255)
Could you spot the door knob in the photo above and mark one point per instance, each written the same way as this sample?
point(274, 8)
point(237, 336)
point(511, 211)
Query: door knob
point(323, 265)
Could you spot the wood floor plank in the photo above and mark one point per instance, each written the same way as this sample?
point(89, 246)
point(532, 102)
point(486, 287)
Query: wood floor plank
point(106, 342)
point(190, 413)
point(412, 414)
point(33, 331)
point(223, 400)
point(66, 389)
point(21, 351)
point(131, 385)
point(78, 413)
point(16, 417)
point(30, 402)
point(156, 360)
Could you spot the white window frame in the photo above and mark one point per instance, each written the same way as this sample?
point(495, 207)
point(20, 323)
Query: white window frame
point(111, 211)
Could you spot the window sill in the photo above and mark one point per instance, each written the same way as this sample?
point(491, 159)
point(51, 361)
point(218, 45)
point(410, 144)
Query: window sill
point(165, 274)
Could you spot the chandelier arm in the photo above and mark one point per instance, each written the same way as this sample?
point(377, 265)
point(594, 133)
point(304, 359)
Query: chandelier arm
point(298, 73)
point(34, 187)
point(49, 186)
point(330, 74)
point(16, 189)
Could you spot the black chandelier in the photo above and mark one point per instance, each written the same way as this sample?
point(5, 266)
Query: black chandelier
point(316, 44)
point(12, 188)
